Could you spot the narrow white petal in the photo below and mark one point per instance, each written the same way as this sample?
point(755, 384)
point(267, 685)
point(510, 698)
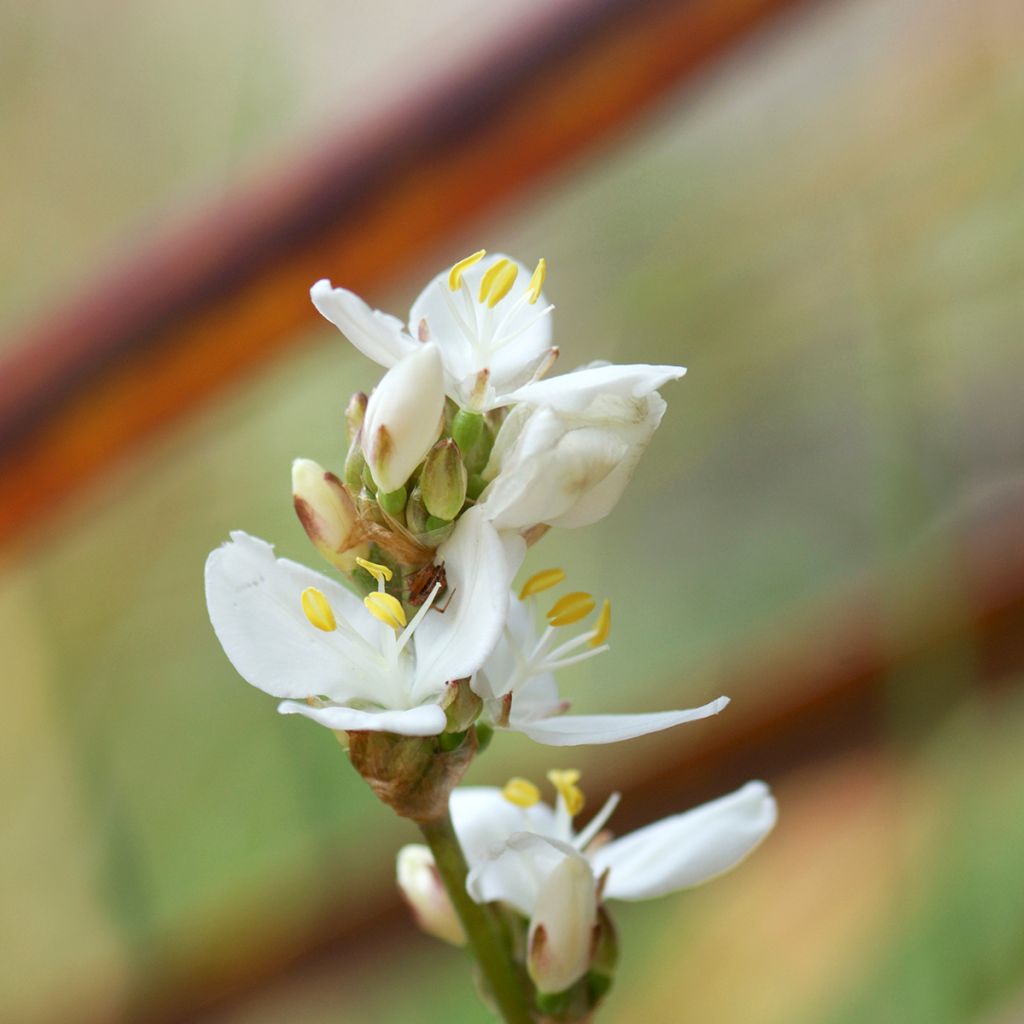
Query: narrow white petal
point(453, 644)
point(484, 820)
point(579, 730)
point(687, 849)
point(255, 605)
point(573, 392)
point(428, 720)
point(377, 335)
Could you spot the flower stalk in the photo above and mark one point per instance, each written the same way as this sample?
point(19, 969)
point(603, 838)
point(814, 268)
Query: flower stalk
point(485, 933)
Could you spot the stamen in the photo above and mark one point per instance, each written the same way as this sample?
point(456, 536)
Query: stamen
point(541, 581)
point(603, 626)
point(318, 610)
point(385, 607)
point(381, 573)
point(521, 792)
point(564, 780)
point(598, 822)
point(571, 608)
point(455, 274)
point(537, 281)
point(497, 282)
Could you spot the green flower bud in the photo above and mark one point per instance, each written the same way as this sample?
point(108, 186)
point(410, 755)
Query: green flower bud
point(393, 502)
point(467, 429)
point(443, 480)
point(354, 414)
point(355, 464)
point(416, 511)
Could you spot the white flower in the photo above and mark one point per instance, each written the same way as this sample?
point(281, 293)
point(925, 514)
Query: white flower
point(403, 417)
point(488, 318)
point(294, 633)
point(528, 855)
point(567, 450)
point(421, 885)
point(517, 681)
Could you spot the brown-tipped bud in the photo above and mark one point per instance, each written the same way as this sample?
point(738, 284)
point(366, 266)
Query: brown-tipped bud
point(327, 514)
point(355, 466)
point(443, 480)
point(416, 512)
point(461, 706)
point(355, 412)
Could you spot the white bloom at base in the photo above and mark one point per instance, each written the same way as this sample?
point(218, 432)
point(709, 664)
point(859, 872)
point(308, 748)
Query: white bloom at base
point(568, 449)
point(421, 885)
point(517, 681)
point(357, 671)
point(488, 317)
point(403, 417)
point(532, 859)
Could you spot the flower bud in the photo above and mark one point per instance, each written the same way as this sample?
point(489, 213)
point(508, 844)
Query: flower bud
point(421, 885)
point(416, 512)
point(403, 418)
point(327, 514)
point(355, 413)
point(443, 480)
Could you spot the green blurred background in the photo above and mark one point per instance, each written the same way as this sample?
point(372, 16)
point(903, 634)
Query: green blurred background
point(827, 232)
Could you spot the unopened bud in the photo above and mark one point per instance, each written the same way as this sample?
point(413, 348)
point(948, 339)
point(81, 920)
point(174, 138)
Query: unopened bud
point(421, 885)
point(327, 514)
point(403, 417)
point(354, 466)
point(355, 413)
point(393, 502)
point(416, 512)
point(443, 480)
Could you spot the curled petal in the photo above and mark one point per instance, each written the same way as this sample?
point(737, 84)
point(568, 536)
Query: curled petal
point(427, 720)
point(573, 392)
point(377, 335)
point(687, 849)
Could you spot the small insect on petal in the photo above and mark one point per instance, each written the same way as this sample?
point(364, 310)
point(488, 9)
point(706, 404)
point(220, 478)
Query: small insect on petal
point(381, 573)
point(571, 608)
point(541, 581)
point(603, 626)
point(521, 792)
point(564, 780)
point(387, 608)
point(318, 610)
point(455, 274)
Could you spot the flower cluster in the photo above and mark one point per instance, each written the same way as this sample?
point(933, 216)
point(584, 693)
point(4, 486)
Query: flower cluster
point(463, 455)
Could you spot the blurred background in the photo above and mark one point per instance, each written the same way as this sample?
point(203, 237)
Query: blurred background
point(817, 207)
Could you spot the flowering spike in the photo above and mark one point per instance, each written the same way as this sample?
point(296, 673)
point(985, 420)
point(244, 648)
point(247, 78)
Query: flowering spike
point(455, 274)
point(565, 781)
point(521, 792)
point(537, 281)
point(571, 608)
point(541, 581)
point(498, 281)
point(318, 610)
point(381, 573)
point(387, 608)
point(603, 626)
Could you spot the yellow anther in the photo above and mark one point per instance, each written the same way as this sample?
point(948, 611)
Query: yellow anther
point(498, 281)
point(537, 281)
point(385, 607)
point(381, 573)
point(565, 782)
point(541, 581)
point(521, 792)
point(603, 626)
point(318, 610)
point(571, 608)
point(455, 274)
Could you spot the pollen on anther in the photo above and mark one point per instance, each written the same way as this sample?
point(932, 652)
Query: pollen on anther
point(536, 282)
point(565, 782)
point(571, 608)
point(318, 610)
point(603, 626)
point(521, 792)
point(381, 573)
point(387, 608)
point(541, 581)
point(455, 274)
point(498, 281)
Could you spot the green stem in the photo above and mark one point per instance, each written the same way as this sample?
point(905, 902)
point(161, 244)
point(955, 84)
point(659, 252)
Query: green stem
point(484, 931)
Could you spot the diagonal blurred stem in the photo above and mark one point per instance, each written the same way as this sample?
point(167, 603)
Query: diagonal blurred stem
point(486, 935)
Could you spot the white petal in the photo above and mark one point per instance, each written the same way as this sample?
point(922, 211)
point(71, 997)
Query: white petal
point(484, 820)
point(378, 335)
point(453, 644)
point(573, 392)
point(427, 720)
point(255, 605)
point(421, 885)
point(687, 849)
point(579, 730)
